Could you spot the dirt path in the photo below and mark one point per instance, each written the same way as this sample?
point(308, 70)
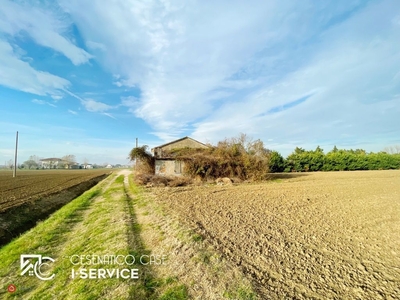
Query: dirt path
point(322, 236)
point(191, 261)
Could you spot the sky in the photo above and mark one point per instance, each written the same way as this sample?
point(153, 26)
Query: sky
point(87, 77)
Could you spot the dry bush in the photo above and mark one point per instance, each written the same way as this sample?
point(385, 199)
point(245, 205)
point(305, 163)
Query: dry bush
point(236, 180)
point(180, 181)
point(158, 180)
point(142, 179)
point(240, 158)
point(141, 168)
point(145, 162)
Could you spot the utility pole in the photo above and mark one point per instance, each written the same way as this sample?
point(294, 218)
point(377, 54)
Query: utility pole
point(16, 154)
point(136, 161)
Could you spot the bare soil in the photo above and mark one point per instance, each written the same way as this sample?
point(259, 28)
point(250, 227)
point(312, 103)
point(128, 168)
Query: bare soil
point(303, 236)
point(34, 195)
point(30, 186)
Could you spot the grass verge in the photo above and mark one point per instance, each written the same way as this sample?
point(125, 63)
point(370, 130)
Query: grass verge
point(200, 271)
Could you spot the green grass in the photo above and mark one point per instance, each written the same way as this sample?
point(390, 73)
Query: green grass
point(151, 287)
point(241, 293)
point(119, 179)
point(197, 237)
point(178, 292)
point(278, 180)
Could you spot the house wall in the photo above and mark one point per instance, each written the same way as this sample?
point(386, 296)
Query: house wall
point(169, 167)
point(49, 164)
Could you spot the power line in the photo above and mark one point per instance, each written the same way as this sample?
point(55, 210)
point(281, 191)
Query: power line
point(16, 154)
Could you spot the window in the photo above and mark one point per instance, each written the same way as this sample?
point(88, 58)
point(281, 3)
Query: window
point(178, 167)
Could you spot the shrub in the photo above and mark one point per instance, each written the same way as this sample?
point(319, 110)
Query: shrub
point(237, 157)
point(276, 162)
point(158, 180)
point(145, 162)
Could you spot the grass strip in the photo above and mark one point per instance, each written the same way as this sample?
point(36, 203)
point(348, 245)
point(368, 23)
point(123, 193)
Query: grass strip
point(49, 238)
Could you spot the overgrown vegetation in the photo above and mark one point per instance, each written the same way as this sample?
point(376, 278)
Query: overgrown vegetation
point(239, 157)
point(144, 160)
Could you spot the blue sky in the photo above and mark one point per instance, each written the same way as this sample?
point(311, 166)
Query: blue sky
point(88, 77)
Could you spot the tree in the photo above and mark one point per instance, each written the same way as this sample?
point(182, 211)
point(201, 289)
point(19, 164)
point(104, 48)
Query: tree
point(30, 164)
point(304, 161)
point(10, 164)
point(85, 162)
point(35, 158)
point(276, 162)
point(392, 149)
point(69, 160)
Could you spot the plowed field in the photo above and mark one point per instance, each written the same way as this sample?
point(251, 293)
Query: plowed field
point(310, 236)
point(33, 195)
point(32, 185)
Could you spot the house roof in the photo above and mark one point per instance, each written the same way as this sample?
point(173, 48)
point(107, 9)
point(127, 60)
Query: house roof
point(178, 140)
point(51, 159)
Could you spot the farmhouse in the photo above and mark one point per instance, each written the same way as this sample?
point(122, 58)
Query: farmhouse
point(50, 163)
point(165, 163)
point(57, 163)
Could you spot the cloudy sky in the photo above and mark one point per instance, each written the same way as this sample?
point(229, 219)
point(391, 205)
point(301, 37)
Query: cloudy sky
point(88, 77)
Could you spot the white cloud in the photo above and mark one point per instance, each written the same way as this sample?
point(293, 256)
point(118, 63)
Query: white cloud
point(42, 102)
point(37, 101)
point(72, 112)
point(130, 102)
point(43, 26)
point(18, 74)
point(175, 52)
point(353, 80)
point(95, 106)
point(96, 46)
point(216, 70)
point(109, 115)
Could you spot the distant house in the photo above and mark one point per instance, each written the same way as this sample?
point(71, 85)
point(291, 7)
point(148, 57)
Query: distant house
point(73, 166)
point(50, 163)
point(165, 164)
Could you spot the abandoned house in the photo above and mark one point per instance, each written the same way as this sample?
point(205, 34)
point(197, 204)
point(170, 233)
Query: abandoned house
point(165, 164)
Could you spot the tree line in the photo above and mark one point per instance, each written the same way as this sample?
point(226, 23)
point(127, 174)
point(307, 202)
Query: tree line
point(301, 160)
